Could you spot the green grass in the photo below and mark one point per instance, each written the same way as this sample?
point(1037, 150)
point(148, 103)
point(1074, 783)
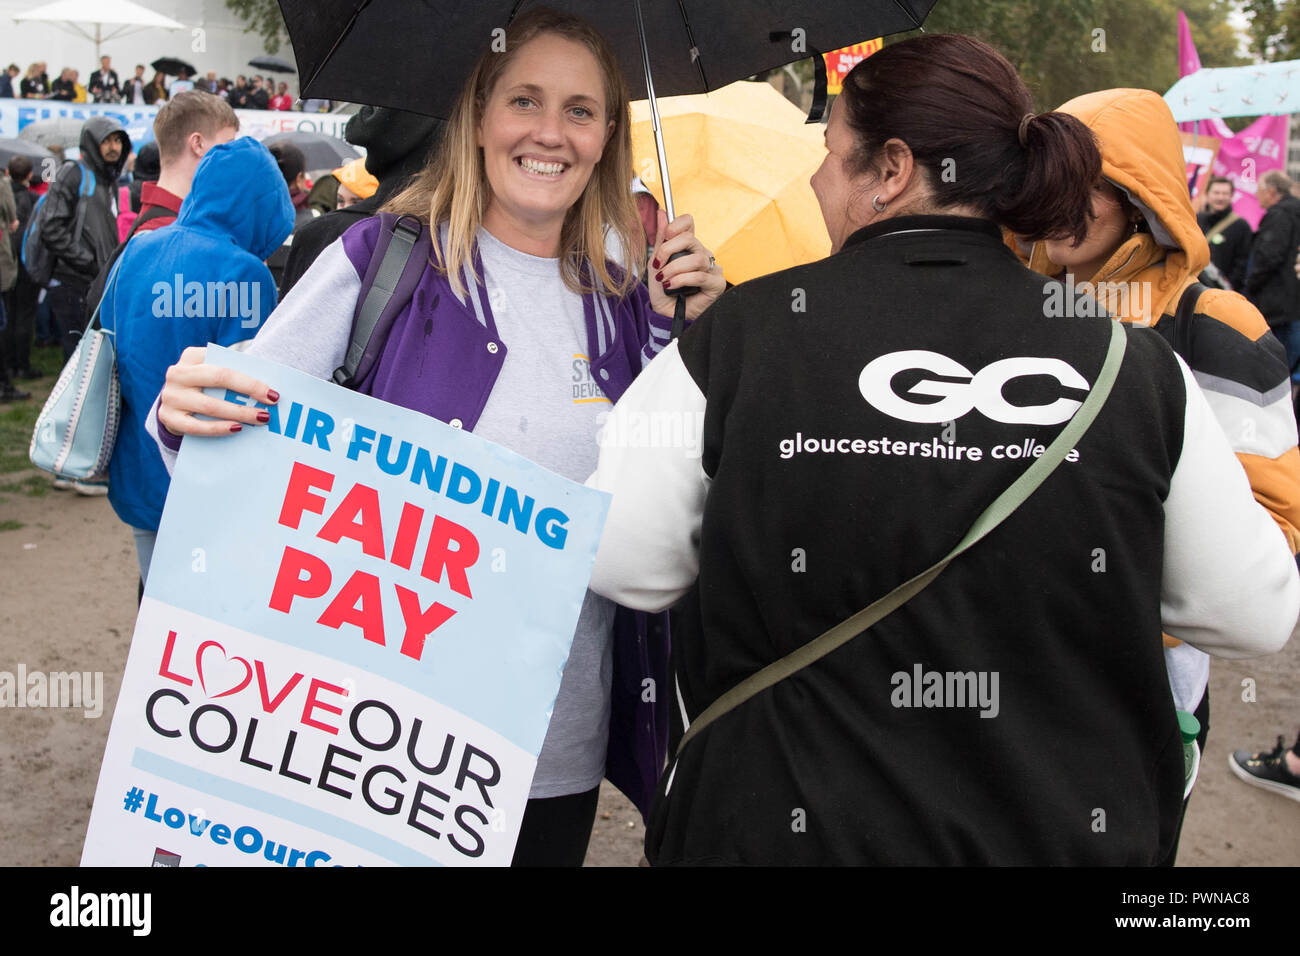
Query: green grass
point(18, 418)
point(33, 486)
point(9, 524)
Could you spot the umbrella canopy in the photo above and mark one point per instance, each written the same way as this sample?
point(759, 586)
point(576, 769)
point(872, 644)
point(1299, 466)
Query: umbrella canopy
point(1262, 89)
point(320, 151)
point(63, 132)
point(345, 49)
point(273, 64)
point(127, 17)
point(9, 148)
point(172, 66)
point(741, 159)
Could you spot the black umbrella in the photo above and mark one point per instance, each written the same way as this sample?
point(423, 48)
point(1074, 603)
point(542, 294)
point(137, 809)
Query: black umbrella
point(172, 66)
point(319, 150)
point(273, 64)
point(10, 148)
point(346, 48)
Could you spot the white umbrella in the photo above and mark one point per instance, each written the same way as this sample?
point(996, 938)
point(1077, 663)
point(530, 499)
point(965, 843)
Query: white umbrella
point(126, 16)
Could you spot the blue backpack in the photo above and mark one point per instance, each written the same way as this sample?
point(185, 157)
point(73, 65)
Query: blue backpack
point(37, 258)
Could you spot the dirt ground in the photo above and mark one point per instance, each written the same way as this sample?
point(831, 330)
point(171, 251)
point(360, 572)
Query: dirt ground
point(69, 574)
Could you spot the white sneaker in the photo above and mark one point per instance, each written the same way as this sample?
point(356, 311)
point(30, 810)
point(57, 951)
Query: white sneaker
point(90, 489)
point(62, 484)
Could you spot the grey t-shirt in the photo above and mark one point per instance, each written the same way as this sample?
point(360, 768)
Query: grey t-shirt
point(545, 406)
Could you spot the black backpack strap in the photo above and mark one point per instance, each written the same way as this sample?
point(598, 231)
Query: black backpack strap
point(153, 212)
point(400, 254)
point(96, 291)
point(1178, 333)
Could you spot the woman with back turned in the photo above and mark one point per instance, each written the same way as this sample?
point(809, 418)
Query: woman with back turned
point(858, 414)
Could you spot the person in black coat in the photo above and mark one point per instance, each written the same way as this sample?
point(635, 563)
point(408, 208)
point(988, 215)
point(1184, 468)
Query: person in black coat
point(238, 97)
point(258, 98)
point(7, 78)
point(103, 86)
point(812, 475)
point(1271, 282)
point(78, 257)
point(1228, 235)
point(397, 145)
point(65, 87)
point(20, 301)
point(35, 85)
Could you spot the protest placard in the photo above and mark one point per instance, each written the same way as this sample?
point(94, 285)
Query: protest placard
point(352, 637)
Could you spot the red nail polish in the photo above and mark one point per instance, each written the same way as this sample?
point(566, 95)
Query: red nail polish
point(273, 395)
point(264, 417)
point(656, 263)
point(668, 286)
point(659, 276)
point(235, 428)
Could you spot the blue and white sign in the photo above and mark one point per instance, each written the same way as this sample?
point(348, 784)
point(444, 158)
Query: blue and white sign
point(353, 634)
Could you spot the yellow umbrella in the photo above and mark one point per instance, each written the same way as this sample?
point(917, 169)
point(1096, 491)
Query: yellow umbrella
point(740, 158)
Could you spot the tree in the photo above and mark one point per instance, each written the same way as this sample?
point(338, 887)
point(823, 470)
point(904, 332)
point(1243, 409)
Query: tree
point(1063, 48)
point(261, 17)
point(1274, 28)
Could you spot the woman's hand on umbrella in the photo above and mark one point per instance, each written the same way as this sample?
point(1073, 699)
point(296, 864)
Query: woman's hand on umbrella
point(183, 397)
point(696, 268)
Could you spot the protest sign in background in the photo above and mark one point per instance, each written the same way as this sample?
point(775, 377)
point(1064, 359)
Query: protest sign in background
point(1245, 158)
point(840, 62)
point(15, 115)
point(352, 637)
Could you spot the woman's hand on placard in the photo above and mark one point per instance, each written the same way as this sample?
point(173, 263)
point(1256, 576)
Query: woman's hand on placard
point(183, 397)
point(696, 268)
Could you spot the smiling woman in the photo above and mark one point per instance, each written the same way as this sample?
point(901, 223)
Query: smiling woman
point(518, 302)
point(539, 152)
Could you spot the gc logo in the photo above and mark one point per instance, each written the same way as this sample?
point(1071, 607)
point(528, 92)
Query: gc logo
point(983, 391)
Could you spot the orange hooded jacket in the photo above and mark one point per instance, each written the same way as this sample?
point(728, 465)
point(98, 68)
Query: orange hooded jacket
point(1226, 342)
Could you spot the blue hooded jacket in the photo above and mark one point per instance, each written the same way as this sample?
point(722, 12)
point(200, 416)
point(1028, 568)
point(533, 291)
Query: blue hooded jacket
point(199, 280)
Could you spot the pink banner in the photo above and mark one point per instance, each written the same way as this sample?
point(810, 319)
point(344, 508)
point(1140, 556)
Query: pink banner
point(1189, 61)
point(1246, 157)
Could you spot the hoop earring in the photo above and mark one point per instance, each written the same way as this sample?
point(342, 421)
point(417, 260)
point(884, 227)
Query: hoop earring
point(877, 205)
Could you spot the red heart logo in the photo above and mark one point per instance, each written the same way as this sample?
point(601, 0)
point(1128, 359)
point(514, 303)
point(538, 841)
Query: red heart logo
point(222, 671)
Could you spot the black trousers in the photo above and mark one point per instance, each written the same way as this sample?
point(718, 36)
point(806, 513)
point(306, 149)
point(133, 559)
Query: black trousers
point(20, 304)
point(556, 830)
point(68, 314)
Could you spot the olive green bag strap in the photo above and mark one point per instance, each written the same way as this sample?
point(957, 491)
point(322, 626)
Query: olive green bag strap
point(995, 514)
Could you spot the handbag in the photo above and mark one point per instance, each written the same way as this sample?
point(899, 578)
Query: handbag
point(992, 516)
point(77, 429)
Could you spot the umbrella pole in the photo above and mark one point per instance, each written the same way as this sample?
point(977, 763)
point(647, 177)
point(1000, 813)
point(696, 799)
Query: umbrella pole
point(680, 292)
point(654, 115)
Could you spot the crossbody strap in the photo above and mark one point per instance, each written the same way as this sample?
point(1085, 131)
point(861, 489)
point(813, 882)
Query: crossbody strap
point(1221, 225)
point(1001, 508)
point(399, 242)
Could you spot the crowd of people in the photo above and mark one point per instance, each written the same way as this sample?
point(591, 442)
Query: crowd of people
point(253, 92)
point(830, 474)
point(1258, 264)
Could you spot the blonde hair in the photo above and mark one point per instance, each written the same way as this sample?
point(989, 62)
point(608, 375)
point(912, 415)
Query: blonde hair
point(453, 188)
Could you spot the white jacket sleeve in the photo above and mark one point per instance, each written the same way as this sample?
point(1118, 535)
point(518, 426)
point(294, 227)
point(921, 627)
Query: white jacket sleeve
point(650, 462)
point(309, 330)
point(1230, 585)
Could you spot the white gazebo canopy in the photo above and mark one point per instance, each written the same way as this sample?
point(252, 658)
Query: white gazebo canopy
point(126, 16)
